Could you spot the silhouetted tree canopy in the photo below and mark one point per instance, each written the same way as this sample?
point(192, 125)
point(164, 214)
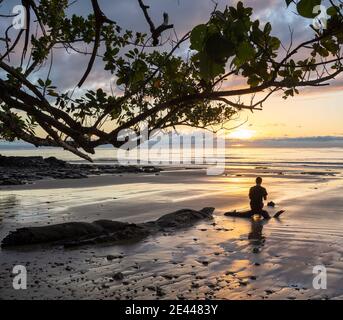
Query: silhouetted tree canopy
point(154, 85)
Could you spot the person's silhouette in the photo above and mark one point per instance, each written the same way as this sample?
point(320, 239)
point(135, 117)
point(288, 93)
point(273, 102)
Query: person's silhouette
point(257, 194)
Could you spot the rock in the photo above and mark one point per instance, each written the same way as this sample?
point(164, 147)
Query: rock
point(160, 292)
point(74, 233)
point(20, 170)
point(118, 276)
point(184, 218)
point(11, 182)
point(150, 169)
point(111, 258)
point(151, 288)
point(269, 292)
point(82, 233)
point(21, 162)
point(55, 162)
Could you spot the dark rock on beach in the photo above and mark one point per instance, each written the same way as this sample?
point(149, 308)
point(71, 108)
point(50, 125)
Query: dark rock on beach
point(82, 233)
point(184, 218)
point(118, 276)
point(5, 181)
point(75, 233)
point(16, 171)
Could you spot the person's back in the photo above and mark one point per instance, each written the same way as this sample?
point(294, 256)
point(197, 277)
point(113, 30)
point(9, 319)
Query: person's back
point(257, 194)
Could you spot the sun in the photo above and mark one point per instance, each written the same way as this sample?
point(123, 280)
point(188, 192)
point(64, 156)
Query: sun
point(242, 134)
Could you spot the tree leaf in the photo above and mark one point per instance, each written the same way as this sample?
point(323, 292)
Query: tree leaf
point(208, 68)
point(245, 52)
point(41, 82)
point(275, 43)
point(332, 11)
point(306, 7)
point(198, 37)
point(219, 48)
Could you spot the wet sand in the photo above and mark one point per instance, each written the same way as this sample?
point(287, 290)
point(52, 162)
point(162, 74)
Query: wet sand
point(225, 258)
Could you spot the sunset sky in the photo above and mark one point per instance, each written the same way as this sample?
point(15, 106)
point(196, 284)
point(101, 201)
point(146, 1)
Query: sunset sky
point(315, 112)
point(310, 114)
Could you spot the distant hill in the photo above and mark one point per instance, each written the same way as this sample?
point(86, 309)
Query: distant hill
point(5, 145)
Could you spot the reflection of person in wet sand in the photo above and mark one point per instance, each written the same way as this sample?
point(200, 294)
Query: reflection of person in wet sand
point(256, 233)
point(257, 194)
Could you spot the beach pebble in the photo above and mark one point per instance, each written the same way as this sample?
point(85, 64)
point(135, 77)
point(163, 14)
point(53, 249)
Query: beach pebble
point(269, 292)
point(243, 283)
point(118, 276)
point(110, 257)
point(160, 292)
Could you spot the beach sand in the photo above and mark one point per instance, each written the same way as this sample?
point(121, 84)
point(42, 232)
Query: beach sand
point(225, 258)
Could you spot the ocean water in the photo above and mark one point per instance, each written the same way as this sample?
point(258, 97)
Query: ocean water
point(326, 158)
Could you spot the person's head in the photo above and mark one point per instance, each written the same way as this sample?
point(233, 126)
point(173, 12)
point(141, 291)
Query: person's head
point(259, 181)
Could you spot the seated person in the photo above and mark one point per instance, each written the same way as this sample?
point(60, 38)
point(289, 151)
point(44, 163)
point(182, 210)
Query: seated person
point(257, 194)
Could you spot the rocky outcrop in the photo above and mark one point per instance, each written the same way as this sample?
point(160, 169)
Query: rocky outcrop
point(22, 162)
point(23, 170)
point(75, 232)
point(184, 218)
point(81, 233)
